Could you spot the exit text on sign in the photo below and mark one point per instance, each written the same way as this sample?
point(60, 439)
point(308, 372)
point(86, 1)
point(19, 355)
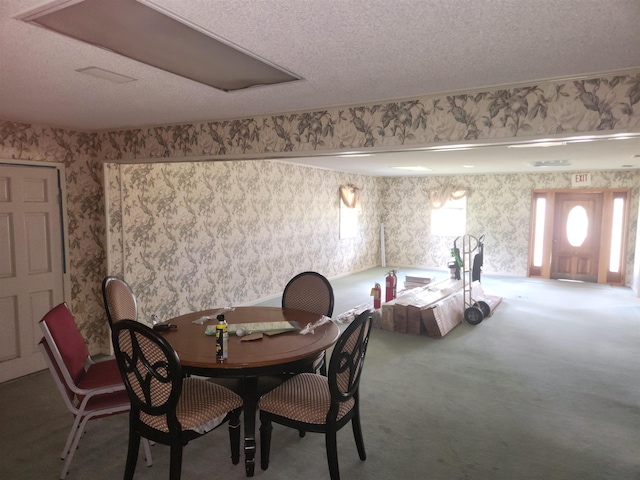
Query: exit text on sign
point(580, 179)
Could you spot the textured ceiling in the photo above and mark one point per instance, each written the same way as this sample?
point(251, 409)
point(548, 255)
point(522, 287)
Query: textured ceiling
point(347, 51)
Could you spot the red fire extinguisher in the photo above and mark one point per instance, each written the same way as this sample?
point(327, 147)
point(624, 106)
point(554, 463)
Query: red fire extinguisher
point(395, 283)
point(388, 287)
point(376, 293)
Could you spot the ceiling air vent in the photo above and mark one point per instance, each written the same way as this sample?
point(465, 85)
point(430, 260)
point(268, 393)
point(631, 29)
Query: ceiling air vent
point(551, 163)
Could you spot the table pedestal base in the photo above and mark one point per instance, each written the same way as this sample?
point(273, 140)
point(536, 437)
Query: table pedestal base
point(250, 399)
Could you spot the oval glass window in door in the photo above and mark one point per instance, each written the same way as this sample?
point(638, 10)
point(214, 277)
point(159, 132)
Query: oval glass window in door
point(577, 226)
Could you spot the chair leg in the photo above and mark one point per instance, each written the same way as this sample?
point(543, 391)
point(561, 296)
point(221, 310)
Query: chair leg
point(320, 365)
point(323, 367)
point(234, 436)
point(132, 455)
point(147, 451)
point(79, 430)
point(357, 435)
point(302, 433)
point(175, 465)
point(332, 454)
point(265, 441)
point(72, 435)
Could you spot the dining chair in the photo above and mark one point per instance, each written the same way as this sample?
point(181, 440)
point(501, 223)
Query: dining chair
point(119, 300)
point(89, 389)
point(315, 403)
point(120, 303)
point(311, 292)
point(166, 407)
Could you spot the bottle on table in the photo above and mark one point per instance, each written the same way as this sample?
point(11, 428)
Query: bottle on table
point(222, 338)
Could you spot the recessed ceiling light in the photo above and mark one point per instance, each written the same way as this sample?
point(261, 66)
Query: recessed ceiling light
point(152, 34)
point(453, 148)
point(106, 75)
point(538, 144)
point(417, 168)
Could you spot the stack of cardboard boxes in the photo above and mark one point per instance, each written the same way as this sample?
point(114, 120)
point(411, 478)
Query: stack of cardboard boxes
point(434, 308)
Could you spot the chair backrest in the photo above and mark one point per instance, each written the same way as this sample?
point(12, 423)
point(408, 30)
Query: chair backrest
point(151, 372)
point(65, 342)
point(119, 300)
point(309, 291)
point(347, 358)
point(59, 378)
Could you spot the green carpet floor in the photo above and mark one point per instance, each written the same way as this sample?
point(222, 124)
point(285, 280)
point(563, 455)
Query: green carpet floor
point(547, 388)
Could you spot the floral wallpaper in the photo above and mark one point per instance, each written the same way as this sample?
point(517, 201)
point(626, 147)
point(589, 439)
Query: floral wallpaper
point(498, 206)
point(597, 104)
point(80, 153)
point(206, 234)
point(223, 231)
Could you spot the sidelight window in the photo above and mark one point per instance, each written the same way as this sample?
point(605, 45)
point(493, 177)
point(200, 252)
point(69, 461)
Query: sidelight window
point(538, 242)
point(615, 257)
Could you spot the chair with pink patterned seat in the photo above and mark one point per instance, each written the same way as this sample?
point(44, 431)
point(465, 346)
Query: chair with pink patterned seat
point(119, 300)
point(311, 292)
point(166, 407)
point(315, 403)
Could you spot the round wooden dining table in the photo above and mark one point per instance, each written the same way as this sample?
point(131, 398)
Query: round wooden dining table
point(249, 360)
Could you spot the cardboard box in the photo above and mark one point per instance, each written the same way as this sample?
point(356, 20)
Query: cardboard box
point(443, 316)
point(414, 320)
point(400, 318)
point(440, 318)
point(395, 313)
point(416, 282)
point(435, 308)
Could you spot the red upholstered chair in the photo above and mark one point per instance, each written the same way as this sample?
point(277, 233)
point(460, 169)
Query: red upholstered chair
point(311, 292)
point(315, 403)
point(89, 389)
point(166, 407)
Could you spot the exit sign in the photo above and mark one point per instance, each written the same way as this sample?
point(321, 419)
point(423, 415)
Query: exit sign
point(580, 179)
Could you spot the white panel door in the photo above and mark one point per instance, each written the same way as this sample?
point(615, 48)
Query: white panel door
point(31, 263)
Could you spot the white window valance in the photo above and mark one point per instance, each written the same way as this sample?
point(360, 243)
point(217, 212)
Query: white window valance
point(350, 196)
point(441, 195)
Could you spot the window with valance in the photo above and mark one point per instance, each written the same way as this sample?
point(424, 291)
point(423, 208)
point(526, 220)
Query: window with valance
point(439, 196)
point(448, 210)
point(350, 207)
point(350, 196)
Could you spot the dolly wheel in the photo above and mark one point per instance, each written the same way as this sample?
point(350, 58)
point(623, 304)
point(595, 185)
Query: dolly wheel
point(473, 315)
point(484, 306)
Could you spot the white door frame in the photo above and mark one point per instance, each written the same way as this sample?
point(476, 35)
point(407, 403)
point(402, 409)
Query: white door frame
point(62, 183)
point(59, 172)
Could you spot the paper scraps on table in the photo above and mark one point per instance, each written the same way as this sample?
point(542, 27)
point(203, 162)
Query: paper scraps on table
point(312, 326)
point(260, 327)
point(213, 315)
point(251, 337)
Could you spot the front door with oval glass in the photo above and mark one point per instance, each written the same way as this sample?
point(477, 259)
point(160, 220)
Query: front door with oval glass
point(576, 236)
